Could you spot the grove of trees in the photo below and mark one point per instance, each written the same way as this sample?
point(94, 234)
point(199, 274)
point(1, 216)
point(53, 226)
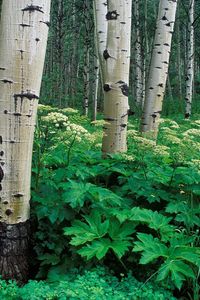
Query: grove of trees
point(109, 159)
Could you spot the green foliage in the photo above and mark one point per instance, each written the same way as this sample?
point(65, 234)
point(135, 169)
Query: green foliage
point(178, 258)
point(95, 284)
point(91, 209)
point(118, 236)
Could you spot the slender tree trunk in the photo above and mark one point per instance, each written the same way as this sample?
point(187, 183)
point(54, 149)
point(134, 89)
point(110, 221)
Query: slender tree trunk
point(86, 76)
point(23, 38)
point(159, 67)
point(179, 61)
point(116, 80)
point(190, 62)
point(100, 34)
point(138, 57)
point(96, 87)
point(86, 71)
point(101, 29)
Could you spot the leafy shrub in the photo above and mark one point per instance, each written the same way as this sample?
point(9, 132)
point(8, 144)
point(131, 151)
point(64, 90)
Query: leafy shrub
point(147, 200)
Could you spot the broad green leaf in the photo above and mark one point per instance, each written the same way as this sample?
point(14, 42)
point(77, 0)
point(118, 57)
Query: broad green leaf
point(118, 231)
point(75, 193)
point(83, 232)
point(120, 247)
point(100, 194)
point(151, 248)
point(96, 248)
point(177, 270)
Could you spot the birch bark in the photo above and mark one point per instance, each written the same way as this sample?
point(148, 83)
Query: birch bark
point(116, 76)
point(96, 88)
point(23, 38)
point(190, 62)
point(86, 69)
point(101, 29)
point(138, 58)
point(158, 72)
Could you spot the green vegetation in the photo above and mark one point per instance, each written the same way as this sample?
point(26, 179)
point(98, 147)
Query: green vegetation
point(136, 211)
point(95, 284)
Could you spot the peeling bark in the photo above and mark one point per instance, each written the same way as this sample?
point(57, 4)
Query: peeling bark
point(23, 56)
point(158, 72)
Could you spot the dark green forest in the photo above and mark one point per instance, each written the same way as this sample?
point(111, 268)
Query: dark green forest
point(69, 38)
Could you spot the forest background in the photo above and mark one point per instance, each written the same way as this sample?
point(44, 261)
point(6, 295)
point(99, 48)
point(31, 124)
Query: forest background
point(125, 226)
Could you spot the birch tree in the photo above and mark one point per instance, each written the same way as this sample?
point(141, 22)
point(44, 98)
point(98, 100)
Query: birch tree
point(138, 57)
point(23, 38)
point(86, 69)
point(115, 69)
point(101, 29)
point(190, 61)
point(158, 71)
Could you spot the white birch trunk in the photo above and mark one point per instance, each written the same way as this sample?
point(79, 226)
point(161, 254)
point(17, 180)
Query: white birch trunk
point(116, 78)
point(101, 28)
point(158, 72)
point(86, 76)
point(190, 62)
point(96, 88)
point(23, 38)
point(86, 71)
point(138, 58)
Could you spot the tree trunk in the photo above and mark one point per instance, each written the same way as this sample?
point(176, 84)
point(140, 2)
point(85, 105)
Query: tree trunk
point(138, 58)
point(159, 67)
point(116, 76)
point(190, 62)
point(86, 69)
point(179, 60)
point(23, 38)
point(101, 29)
point(96, 87)
point(100, 34)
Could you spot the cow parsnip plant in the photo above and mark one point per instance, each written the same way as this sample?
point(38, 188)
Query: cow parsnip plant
point(140, 208)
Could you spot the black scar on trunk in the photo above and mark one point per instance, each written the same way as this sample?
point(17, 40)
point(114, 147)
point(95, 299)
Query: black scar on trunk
point(14, 250)
point(112, 15)
point(27, 95)
point(32, 8)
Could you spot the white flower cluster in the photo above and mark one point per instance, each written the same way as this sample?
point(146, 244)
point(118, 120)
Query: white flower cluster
point(58, 119)
point(192, 132)
point(98, 123)
point(173, 139)
point(76, 129)
point(145, 142)
point(46, 109)
point(167, 130)
point(70, 110)
point(197, 122)
point(99, 145)
point(161, 150)
point(79, 132)
point(196, 162)
point(128, 157)
point(132, 132)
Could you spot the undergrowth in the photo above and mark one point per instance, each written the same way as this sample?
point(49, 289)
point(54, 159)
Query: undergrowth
point(136, 212)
